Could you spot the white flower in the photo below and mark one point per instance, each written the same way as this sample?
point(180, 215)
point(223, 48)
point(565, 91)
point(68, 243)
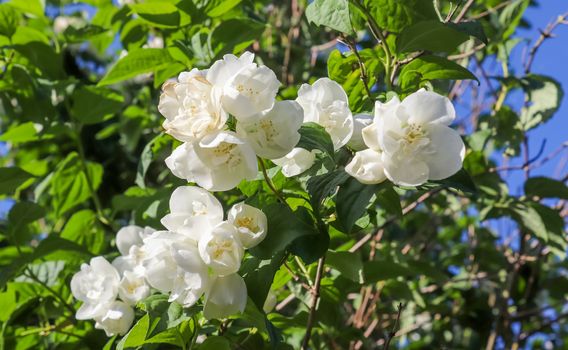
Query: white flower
point(326, 104)
point(217, 163)
point(174, 266)
point(193, 211)
point(129, 241)
point(296, 162)
point(269, 302)
point(192, 277)
point(221, 250)
point(416, 141)
point(246, 89)
point(227, 296)
point(96, 284)
point(133, 288)
point(131, 235)
point(274, 133)
point(367, 167)
point(360, 121)
point(251, 224)
point(191, 108)
point(117, 319)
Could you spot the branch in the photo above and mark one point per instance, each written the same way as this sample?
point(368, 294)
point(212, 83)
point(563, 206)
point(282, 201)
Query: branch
point(546, 34)
point(353, 47)
point(269, 182)
point(394, 327)
point(315, 298)
point(464, 11)
point(389, 221)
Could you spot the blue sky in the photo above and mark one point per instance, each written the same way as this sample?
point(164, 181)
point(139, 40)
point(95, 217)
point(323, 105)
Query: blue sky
point(551, 60)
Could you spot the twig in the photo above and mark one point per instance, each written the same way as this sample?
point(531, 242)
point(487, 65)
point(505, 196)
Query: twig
point(464, 10)
point(394, 327)
point(546, 34)
point(269, 182)
point(353, 47)
point(389, 221)
point(315, 298)
point(492, 10)
point(378, 34)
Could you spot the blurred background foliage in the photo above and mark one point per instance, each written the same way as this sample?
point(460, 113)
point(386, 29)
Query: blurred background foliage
point(471, 262)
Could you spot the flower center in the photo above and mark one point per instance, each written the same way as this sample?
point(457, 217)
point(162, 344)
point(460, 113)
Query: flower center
point(414, 138)
point(268, 127)
point(228, 154)
point(247, 222)
point(198, 208)
point(221, 247)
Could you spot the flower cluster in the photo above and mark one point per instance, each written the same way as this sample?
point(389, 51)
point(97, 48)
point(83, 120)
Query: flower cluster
point(199, 254)
point(226, 117)
point(409, 142)
point(202, 104)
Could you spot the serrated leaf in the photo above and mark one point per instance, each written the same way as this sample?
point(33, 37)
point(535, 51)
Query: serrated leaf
point(333, 14)
point(395, 15)
point(313, 136)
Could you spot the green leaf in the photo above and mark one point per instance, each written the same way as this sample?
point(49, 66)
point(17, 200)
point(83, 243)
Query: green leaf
point(137, 334)
point(321, 186)
point(544, 95)
point(93, 104)
point(9, 20)
point(461, 181)
point(314, 136)
point(330, 13)
point(234, 35)
point(345, 69)
point(349, 264)
point(352, 200)
point(383, 270)
point(69, 184)
point(215, 342)
point(137, 62)
point(259, 276)
point(395, 15)
point(34, 46)
point(427, 68)
point(529, 217)
point(84, 229)
point(32, 7)
point(389, 200)
point(149, 153)
point(430, 36)
point(170, 336)
point(20, 133)
point(216, 8)
point(11, 178)
point(545, 187)
point(47, 272)
point(78, 35)
point(284, 226)
point(134, 34)
point(20, 215)
point(158, 13)
point(511, 16)
point(471, 28)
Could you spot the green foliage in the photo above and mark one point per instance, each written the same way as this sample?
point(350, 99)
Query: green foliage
point(475, 258)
